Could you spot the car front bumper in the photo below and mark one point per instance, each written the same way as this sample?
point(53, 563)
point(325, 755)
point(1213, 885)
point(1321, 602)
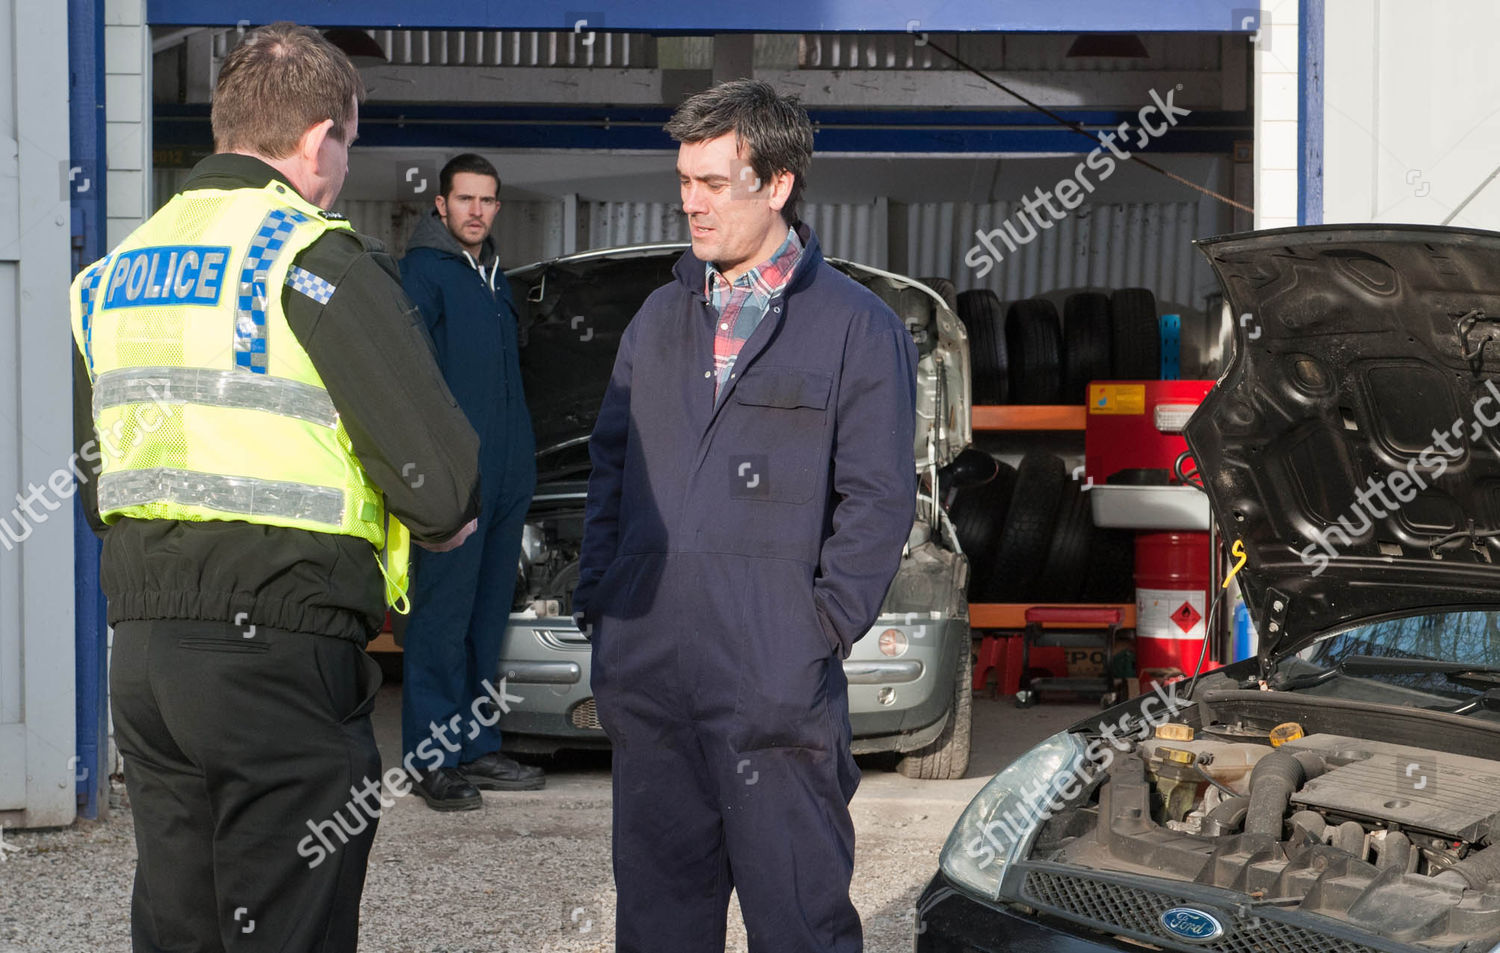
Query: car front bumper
point(1076, 909)
point(895, 703)
point(902, 703)
point(949, 921)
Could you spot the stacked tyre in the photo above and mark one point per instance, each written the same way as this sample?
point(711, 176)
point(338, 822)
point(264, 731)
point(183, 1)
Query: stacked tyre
point(989, 363)
point(1027, 354)
point(1029, 536)
point(978, 515)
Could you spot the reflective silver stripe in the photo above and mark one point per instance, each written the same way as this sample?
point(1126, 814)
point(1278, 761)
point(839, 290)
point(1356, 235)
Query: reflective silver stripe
point(233, 389)
point(236, 496)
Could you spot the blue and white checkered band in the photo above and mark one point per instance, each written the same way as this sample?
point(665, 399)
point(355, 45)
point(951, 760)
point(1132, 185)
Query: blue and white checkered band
point(300, 279)
point(88, 294)
point(250, 310)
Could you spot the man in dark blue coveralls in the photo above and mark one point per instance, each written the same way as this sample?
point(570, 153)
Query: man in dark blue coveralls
point(461, 599)
point(753, 484)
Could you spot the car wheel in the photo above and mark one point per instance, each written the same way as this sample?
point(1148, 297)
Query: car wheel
point(945, 289)
point(1137, 337)
point(1033, 338)
point(946, 757)
point(978, 513)
point(988, 358)
point(1086, 344)
point(1028, 527)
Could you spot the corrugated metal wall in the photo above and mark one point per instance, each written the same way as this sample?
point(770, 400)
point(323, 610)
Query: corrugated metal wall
point(391, 222)
point(630, 223)
point(856, 232)
point(533, 231)
point(581, 47)
point(1102, 246)
point(842, 51)
point(853, 231)
point(527, 231)
point(1097, 246)
point(874, 51)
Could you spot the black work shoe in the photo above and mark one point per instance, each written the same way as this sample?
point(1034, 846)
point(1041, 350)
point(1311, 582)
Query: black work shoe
point(496, 772)
point(446, 790)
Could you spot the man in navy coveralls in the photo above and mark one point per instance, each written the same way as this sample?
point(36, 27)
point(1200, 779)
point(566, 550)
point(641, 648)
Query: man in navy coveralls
point(753, 484)
point(461, 599)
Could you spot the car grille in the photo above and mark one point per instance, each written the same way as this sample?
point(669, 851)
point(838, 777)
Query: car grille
point(1133, 910)
point(586, 715)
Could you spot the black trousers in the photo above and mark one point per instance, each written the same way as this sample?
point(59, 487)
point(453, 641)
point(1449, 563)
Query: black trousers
point(245, 750)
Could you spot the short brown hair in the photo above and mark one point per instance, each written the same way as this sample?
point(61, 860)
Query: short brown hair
point(775, 128)
point(468, 162)
point(280, 80)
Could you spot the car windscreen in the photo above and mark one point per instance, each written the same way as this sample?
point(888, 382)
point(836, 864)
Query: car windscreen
point(572, 315)
point(1469, 637)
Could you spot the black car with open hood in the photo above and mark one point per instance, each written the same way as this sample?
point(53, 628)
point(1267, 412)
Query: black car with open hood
point(1342, 791)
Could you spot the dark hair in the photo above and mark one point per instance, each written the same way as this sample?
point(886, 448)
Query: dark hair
point(775, 128)
point(468, 162)
point(280, 80)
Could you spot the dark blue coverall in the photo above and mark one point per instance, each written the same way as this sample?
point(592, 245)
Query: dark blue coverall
point(732, 554)
point(461, 599)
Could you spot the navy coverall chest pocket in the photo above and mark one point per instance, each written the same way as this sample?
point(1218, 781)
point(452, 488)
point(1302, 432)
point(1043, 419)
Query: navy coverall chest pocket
point(777, 431)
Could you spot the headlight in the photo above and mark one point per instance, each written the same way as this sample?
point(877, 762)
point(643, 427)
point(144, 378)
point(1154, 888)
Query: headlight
point(999, 824)
point(533, 545)
point(893, 642)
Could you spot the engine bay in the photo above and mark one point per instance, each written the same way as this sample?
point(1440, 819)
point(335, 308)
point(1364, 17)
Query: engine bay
point(1391, 839)
point(548, 569)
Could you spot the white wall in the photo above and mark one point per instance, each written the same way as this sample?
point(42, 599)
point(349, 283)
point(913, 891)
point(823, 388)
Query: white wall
point(127, 97)
point(1411, 123)
point(1276, 98)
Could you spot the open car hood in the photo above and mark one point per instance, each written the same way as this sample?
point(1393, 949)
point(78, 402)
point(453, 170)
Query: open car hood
point(1353, 442)
point(574, 309)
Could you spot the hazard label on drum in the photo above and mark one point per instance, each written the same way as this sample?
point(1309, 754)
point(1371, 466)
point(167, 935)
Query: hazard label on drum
point(1169, 613)
point(1186, 617)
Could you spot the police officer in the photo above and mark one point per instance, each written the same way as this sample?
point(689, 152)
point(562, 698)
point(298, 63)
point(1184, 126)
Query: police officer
point(274, 424)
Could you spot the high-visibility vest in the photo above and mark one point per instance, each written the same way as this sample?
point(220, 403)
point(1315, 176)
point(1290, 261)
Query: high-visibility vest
point(206, 406)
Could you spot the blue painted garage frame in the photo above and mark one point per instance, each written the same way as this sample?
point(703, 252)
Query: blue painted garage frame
point(86, 141)
point(430, 126)
point(693, 16)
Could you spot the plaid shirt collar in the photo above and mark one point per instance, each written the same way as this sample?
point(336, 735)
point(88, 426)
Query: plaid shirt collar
point(765, 279)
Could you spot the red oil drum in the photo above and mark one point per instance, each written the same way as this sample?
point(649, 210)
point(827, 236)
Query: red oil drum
point(1172, 579)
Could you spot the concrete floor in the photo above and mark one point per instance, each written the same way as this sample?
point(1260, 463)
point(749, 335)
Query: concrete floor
point(529, 873)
